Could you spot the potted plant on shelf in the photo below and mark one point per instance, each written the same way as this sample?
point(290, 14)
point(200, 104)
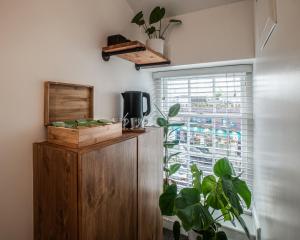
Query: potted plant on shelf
point(210, 201)
point(154, 30)
point(169, 143)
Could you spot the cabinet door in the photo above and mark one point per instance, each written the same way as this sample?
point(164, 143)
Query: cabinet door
point(108, 192)
point(55, 193)
point(150, 179)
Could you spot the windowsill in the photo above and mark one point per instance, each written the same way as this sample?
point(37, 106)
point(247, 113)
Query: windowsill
point(234, 233)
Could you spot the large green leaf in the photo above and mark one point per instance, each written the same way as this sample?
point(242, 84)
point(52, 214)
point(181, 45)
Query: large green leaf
point(242, 189)
point(186, 217)
point(161, 122)
point(187, 197)
point(214, 193)
point(209, 183)
point(226, 214)
point(197, 177)
point(243, 224)
point(214, 200)
point(194, 216)
point(230, 193)
point(157, 15)
point(167, 200)
point(190, 210)
point(223, 168)
point(138, 18)
point(174, 110)
point(174, 168)
point(202, 218)
point(176, 230)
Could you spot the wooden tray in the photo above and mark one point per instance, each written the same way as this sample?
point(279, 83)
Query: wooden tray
point(64, 102)
point(83, 137)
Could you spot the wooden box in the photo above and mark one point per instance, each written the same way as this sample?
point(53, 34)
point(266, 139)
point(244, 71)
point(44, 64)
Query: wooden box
point(65, 102)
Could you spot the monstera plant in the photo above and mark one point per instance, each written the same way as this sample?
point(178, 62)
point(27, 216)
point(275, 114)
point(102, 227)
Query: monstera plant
point(153, 28)
point(210, 201)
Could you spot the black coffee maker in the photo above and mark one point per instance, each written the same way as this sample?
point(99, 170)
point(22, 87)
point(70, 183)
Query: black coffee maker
point(134, 108)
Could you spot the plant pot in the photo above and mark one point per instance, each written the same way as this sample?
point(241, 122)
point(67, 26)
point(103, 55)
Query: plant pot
point(156, 44)
point(193, 235)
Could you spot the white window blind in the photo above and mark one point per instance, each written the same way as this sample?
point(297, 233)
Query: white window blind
point(216, 107)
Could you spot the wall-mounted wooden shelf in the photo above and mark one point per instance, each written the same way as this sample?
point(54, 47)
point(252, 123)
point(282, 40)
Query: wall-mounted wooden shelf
point(135, 52)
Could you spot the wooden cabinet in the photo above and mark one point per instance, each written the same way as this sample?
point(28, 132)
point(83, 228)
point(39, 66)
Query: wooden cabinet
point(107, 191)
point(149, 187)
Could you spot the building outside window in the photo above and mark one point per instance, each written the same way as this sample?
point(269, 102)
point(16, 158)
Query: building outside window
point(216, 107)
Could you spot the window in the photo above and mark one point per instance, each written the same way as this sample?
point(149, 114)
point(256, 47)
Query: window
point(216, 107)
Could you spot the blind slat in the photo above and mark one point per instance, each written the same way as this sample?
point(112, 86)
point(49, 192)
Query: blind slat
point(217, 109)
point(185, 73)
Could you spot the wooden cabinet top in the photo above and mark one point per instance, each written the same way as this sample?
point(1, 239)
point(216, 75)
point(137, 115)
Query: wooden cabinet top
point(124, 137)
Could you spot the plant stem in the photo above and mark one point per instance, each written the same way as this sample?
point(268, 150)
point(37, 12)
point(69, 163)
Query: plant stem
point(145, 29)
point(162, 35)
point(163, 115)
point(219, 218)
point(166, 154)
point(159, 29)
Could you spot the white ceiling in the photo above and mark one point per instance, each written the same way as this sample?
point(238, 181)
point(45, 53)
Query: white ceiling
point(176, 7)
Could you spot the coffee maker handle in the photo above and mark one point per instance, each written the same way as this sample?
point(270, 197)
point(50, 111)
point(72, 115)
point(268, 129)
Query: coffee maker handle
point(147, 96)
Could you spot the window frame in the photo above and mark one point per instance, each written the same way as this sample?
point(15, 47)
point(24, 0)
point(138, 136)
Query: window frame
point(246, 122)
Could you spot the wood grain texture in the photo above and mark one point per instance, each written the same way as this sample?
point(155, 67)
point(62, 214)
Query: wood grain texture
point(76, 138)
point(63, 136)
point(144, 57)
point(65, 101)
point(150, 179)
point(108, 192)
point(122, 46)
point(124, 137)
point(89, 136)
point(140, 57)
point(92, 192)
point(55, 194)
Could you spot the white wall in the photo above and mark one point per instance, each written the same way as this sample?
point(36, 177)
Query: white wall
point(277, 131)
point(215, 34)
point(56, 40)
